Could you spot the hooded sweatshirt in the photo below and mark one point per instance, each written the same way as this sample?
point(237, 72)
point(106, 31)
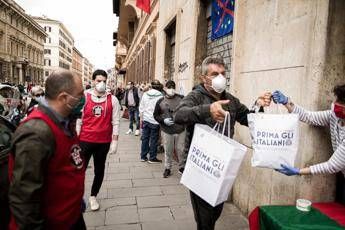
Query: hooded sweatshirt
point(165, 108)
point(148, 104)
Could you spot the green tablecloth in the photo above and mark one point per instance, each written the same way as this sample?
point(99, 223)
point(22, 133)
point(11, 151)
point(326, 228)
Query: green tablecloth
point(290, 218)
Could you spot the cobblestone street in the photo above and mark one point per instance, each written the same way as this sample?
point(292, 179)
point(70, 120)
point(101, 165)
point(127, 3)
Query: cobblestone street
point(135, 196)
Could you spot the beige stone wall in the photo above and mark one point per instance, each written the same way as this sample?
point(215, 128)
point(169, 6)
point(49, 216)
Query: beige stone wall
point(21, 48)
point(135, 51)
point(77, 63)
point(296, 46)
point(185, 12)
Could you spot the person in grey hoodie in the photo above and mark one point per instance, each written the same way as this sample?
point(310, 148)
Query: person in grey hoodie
point(173, 134)
point(150, 133)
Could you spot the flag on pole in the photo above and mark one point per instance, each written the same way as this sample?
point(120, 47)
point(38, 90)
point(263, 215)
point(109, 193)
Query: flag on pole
point(222, 18)
point(144, 5)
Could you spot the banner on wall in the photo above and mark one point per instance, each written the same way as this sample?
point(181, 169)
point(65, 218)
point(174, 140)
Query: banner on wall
point(222, 18)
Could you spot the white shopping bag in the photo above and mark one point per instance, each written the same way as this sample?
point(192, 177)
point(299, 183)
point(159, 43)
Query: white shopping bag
point(274, 139)
point(212, 164)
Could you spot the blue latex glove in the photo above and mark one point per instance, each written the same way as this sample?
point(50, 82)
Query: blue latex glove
point(288, 170)
point(279, 98)
point(168, 121)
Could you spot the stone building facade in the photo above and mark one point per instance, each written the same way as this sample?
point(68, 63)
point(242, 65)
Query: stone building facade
point(21, 45)
point(87, 70)
point(299, 48)
point(295, 46)
point(136, 42)
point(77, 62)
point(181, 46)
point(58, 45)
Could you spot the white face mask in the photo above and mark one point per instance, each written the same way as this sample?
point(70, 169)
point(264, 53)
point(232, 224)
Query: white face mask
point(219, 83)
point(39, 99)
point(170, 92)
point(100, 87)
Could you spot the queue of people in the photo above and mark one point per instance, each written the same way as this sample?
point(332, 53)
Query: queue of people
point(48, 158)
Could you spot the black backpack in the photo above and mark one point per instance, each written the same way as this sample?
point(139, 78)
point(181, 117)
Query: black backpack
point(6, 133)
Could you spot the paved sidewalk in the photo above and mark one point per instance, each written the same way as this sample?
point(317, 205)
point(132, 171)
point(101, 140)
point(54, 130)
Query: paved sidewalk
point(135, 196)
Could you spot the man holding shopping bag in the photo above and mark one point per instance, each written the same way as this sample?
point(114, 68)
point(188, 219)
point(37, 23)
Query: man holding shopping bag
point(334, 119)
point(208, 104)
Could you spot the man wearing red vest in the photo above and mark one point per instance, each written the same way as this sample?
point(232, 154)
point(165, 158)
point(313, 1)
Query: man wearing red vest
point(46, 169)
point(99, 129)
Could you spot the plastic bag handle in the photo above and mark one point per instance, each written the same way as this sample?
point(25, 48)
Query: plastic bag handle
point(224, 124)
point(278, 109)
point(227, 120)
point(216, 126)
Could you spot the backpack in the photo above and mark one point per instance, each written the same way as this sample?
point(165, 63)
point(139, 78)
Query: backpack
point(6, 133)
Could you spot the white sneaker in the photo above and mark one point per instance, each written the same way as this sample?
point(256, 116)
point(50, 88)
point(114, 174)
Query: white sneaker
point(94, 205)
point(129, 132)
point(137, 132)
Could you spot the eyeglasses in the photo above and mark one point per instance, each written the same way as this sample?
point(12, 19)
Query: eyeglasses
point(39, 95)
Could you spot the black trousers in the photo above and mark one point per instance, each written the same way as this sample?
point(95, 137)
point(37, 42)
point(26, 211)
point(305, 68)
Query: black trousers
point(205, 215)
point(99, 153)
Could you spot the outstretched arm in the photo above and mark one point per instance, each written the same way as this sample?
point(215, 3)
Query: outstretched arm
point(320, 118)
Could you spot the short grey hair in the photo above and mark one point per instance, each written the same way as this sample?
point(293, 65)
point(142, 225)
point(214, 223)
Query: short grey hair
point(210, 60)
point(58, 82)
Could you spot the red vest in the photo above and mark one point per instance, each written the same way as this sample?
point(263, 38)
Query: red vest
point(97, 121)
point(64, 179)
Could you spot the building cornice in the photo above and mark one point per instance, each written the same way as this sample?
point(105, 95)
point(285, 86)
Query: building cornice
point(77, 51)
point(48, 20)
point(13, 7)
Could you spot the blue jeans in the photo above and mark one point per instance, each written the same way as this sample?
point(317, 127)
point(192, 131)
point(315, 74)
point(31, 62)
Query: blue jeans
point(133, 114)
point(149, 140)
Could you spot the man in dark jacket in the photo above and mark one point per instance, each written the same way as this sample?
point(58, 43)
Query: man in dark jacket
point(132, 103)
point(6, 133)
point(46, 168)
point(207, 104)
point(173, 134)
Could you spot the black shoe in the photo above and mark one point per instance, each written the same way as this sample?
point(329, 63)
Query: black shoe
point(155, 161)
point(143, 160)
point(180, 171)
point(160, 149)
point(166, 173)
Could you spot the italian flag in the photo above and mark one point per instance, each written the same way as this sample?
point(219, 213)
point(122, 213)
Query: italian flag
point(323, 216)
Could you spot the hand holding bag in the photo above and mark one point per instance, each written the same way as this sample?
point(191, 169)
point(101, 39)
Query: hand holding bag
point(274, 139)
point(212, 164)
